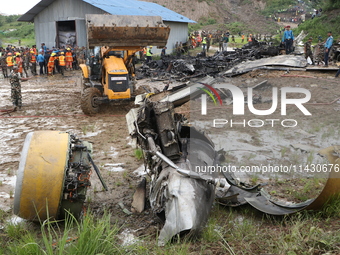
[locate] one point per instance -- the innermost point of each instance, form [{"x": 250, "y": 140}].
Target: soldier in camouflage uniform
[
  {"x": 3, "y": 65},
  {"x": 319, "y": 53},
  {"x": 81, "y": 55},
  {"x": 26, "y": 61},
  {"x": 14, "y": 79},
  {"x": 308, "y": 49}
]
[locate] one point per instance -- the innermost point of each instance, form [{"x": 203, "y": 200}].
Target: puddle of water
[
  {"x": 113, "y": 151},
  {"x": 90, "y": 134},
  {"x": 8, "y": 180},
  {"x": 4, "y": 195},
  {"x": 114, "y": 167}
]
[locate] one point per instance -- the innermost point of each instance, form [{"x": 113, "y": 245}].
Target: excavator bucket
[{"x": 125, "y": 31}]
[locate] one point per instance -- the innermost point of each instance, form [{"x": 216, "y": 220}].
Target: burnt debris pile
[{"x": 186, "y": 66}]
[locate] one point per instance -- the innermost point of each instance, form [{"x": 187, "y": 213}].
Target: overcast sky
[{"x": 17, "y": 6}]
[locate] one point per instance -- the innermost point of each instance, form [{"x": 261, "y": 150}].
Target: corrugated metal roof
[
  {"x": 133, "y": 7},
  {"x": 118, "y": 7}
]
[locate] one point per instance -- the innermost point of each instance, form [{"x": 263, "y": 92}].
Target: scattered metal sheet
[
  {"x": 322, "y": 68},
  {"x": 262, "y": 201},
  {"x": 277, "y": 61}
]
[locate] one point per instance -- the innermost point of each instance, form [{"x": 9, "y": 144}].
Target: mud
[{"x": 53, "y": 103}]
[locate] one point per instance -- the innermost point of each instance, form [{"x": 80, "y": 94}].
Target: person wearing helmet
[
  {"x": 50, "y": 64},
  {"x": 19, "y": 62},
  {"x": 14, "y": 79},
  {"x": 68, "y": 59},
  {"x": 10, "y": 62},
  {"x": 62, "y": 62},
  {"x": 34, "y": 49},
  {"x": 149, "y": 54},
  {"x": 33, "y": 62}
]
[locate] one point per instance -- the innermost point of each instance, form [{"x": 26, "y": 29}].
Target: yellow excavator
[{"x": 109, "y": 76}]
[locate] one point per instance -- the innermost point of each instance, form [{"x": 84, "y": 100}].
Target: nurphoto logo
[{"x": 239, "y": 102}]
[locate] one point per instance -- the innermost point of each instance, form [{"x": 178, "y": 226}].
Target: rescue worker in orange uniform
[
  {"x": 10, "y": 62},
  {"x": 19, "y": 62},
  {"x": 68, "y": 59},
  {"x": 33, "y": 62},
  {"x": 62, "y": 62},
  {"x": 50, "y": 64},
  {"x": 34, "y": 49}
]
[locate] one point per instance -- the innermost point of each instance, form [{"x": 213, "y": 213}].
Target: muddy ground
[{"x": 53, "y": 103}]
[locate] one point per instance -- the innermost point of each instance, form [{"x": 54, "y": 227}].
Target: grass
[
  {"x": 89, "y": 236},
  {"x": 320, "y": 26},
  {"x": 138, "y": 153},
  {"x": 299, "y": 189},
  {"x": 229, "y": 231}
]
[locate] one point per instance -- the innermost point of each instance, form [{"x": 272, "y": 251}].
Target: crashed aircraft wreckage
[
  {"x": 171, "y": 147},
  {"x": 228, "y": 63},
  {"x": 180, "y": 194},
  {"x": 282, "y": 62}
]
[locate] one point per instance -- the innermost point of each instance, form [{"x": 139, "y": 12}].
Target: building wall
[
  {"x": 63, "y": 10},
  {"x": 178, "y": 33}
]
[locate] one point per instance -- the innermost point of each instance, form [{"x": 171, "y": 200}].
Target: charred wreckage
[
  {"x": 180, "y": 194},
  {"x": 182, "y": 67},
  {"x": 172, "y": 148}
]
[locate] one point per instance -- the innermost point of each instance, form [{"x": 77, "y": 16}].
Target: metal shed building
[{"x": 60, "y": 22}]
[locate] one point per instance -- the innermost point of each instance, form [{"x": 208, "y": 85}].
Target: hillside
[
  {"x": 254, "y": 16},
  {"x": 11, "y": 31},
  {"x": 244, "y": 12}
]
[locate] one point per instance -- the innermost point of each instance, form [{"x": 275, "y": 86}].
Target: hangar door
[{"x": 66, "y": 33}]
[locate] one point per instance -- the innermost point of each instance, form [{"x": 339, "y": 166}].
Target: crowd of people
[
  {"x": 49, "y": 61},
  {"x": 206, "y": 38},
  {"x": 18, "y": 63}
]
